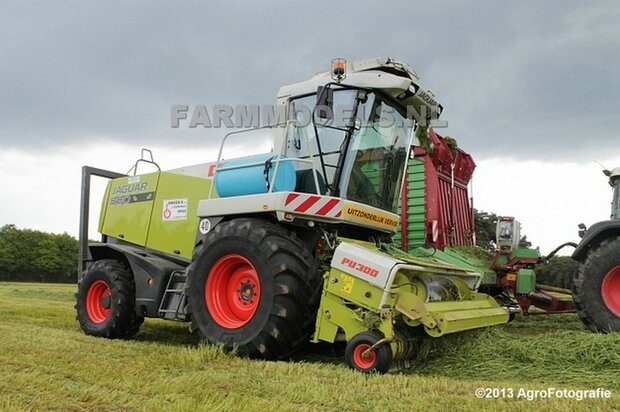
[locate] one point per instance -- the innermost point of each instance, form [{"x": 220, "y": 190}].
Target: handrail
[{"x": 276, "y": 160}]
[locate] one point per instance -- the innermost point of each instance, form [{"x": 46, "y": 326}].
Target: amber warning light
[{"x": 338, "y": 69}]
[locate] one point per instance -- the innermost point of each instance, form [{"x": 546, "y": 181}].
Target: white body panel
[
  {"x": 373, "y": 267},
  {"x": 380, "y": 269},
  {"x": 301, "y": 205}
]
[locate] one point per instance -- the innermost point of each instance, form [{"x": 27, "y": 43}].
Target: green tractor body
[
  {"x": 596, "y": 286},
  {"x": 265, "y": 252}
]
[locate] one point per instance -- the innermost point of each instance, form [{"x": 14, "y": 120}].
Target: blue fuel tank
[{"x": 246, "y": 175}]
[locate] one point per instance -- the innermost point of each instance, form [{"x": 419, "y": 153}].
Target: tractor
[
  {"x": 265, "y": 252},
  {"x": 596, "y": 286}
]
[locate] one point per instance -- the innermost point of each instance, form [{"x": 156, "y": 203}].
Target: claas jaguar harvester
[{"x": 263, "y": 253}]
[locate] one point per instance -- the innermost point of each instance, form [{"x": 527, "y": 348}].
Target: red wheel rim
[
  {"x": 610, "y": 290},
  {"x": 232, "y": 291},
  {"x": 360, "y": 360},
  {"x": 98, "y": 301}
]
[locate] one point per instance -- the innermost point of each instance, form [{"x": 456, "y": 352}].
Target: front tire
[
  {"x": 105, "y": 301},
  {"x": 596, "y": 287},
  {"x": 252, "y": 286}
]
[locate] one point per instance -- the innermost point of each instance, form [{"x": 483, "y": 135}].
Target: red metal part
[
  {"x": 541, "y": 298},
  {"x": 610, "y": 290},
  {"x": 556, "y": 306},
  {"x": 513, "y": 264},
  {"x": 361, "y": 361},
  {"x": 449, "y": 214},
  {"x": 98, "y": 301},
  {"x": 232, "y": 291},
  {"x": 443, "y": 158}
]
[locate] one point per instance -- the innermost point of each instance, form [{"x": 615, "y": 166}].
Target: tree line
[{"x": 33, "y": 256}]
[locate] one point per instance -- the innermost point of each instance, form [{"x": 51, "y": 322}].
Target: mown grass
[{"x": 46, "y": 363}]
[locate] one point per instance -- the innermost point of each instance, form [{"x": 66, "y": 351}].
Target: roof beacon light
[{"x": 339, "y": 67}]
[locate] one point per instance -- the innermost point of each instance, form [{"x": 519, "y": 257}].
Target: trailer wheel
[
  {"x": 377, "y": 361},
  {"x": 596, "y": 287},
  {"x": 252, "y": 285},
  {"x": 105, "y": 301}
]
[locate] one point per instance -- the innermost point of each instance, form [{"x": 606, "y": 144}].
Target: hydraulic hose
[{"x": 557, "y": 249}]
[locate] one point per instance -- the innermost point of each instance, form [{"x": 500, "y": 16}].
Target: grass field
[{"x": 47, "y": 363}]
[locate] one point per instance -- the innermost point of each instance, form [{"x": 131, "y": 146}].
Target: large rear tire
[
  {"x": 596, "y": 287},
  {"x": 252, "y": 285},
  {"x": 105, "y": 301}
]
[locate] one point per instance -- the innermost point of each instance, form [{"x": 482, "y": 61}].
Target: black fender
[
  {"x": 595, "y": 235},
  {"x": 150, "y": 273}
]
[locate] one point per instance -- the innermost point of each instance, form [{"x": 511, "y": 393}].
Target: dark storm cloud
[{"x": 528, "y": 79}]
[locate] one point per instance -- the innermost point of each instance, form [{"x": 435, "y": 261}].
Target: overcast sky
[{"x": 531, "y": 89}]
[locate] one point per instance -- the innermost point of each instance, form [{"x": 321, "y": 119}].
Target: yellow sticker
[
  {"x": 511, "y": 277},
  {"x": 348, "y": 282},
  {"x": 372, "y": 217}
]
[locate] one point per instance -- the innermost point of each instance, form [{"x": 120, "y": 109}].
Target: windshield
[
  {"x": 373, "y": 169},
  {"x": 375, "y": 150}
]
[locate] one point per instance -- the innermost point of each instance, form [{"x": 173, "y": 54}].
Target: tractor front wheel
[
  {"x": 105, "y": 301},
  {"x": 254, "y": 286},
  {"x": 358, "y": 356},
  {"x": 596, "y": 287}
]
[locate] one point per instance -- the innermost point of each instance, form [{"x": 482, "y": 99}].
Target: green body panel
[
  {"x": 177, "y": 236},
  {"x": 337, "y": 313},
  {"x": 416, "y": 212},
  {"x": 526, "y": 281},
  {"x": 526, "y": 253},
  {"x": 104, "y": 208},
  {"x": 455, "y": 258},
  {"x": 615, "y": 201},
  {"x": 460, "y": 315},
  {"x": 466, "y": 259},
  {"x": 351, "y": 305},
  {"x": 355, "y": 290},
  {"x": 134, "y": 210},
  {"x": 128, "y": 208}
]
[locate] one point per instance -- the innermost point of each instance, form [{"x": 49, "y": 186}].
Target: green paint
[
  {"x": 123, "y": 218},
  {"x": 416, "y": 231},
  {"x": 526, "y": 281},
  {"x": 526, "y": 253},
  {"x": 352, "y": 305},
  {"x": 615, "y": 203},
  {"x": 177, "y": 236},
  {"x": 133, "y": 210}
]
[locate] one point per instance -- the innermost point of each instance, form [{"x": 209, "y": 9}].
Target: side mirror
[
  {"x": 325, "y": 103},
  {"x": 582, "y": 230}
]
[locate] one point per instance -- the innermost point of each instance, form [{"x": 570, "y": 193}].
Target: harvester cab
[
  {"x": 265, "y": 252},
  {"x": 508, "y": 233},
  {"x": 340, "y": 155}
]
